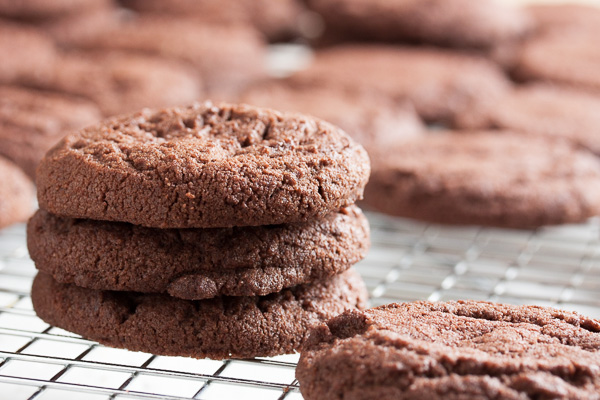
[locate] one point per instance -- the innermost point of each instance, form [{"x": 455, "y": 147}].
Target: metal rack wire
[{"x": 557, "y": 266}]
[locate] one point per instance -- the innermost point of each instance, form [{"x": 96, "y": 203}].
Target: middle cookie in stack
[{"x": 207, "y": 231}]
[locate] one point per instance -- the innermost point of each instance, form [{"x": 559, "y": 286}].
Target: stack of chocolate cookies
[{"x": 206, "y": 231}]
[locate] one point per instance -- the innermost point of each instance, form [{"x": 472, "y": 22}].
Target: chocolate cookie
[
  {"x": 544, "y": 110},
  {"x": 487, "y": 178},
  {"x": 277, "y": 20},
  {"x": 43, "y": 8},
  {"x": 373, "y": 120},
  {"x": 462, "y": 23},
  {"x": 16, "y": 194},
  {"x": 439, "y": 83},
  {"x": 204, "y": 166},
  {"x": 223, "y": 327},
  {"x": 196, "y": 264},
  {"x": 226, "y": 57},
  {"x": 32, "y": 121},
  {"x": 454, "y": 350},
  {"x": 122, "y": 83},
  {"x": 570, "y": 58},
  {"x": 28, "y": 53}
]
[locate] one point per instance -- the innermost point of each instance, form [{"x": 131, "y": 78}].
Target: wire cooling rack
[{"x": 557, "y": 266}]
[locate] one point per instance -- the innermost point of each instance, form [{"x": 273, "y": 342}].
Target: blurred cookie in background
[
  {"x": 31, "y": 122},
  {"x": 278, "y": 20},
  {"x": 64, "y": 21},
  {"x": 372, "y": 119},
  {"x": 33, "y": 9},
  {"x": 561, "y": 18},
  {"x": 69, "y": 29},
  {"x": 27, "y": 53},
  {"x": 571, "y": 58},
  {"x": 16, "y": 194},
  {"x": 440, "y": 84},
  {"x": 227, "y": 57},
  {"x": 120, "y": 83},
  {"x": 545, "y": 110},
  {"x": 492, "y": 178},
  {"x": 457, "y": 23}
]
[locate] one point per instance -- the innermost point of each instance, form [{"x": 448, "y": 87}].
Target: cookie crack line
[
  {"x": 463, "y": 365},
  {"x": 586, "y": 324},
  {"x": 367, "y": 323}
]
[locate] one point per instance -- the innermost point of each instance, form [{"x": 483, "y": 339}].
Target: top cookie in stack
[
  {"x": 200, "y": 203},
  {"x": 204, "y": 166}
]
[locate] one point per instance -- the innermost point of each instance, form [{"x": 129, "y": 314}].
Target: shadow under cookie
[
  {"x": 223, "y": 327},
  {"x": 196, "y": 263}
]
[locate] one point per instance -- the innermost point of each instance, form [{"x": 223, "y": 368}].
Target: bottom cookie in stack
[{"x": 222, "y": 327}]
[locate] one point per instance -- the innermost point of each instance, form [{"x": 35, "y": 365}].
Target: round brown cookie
[
  {"x": 226, "y": 57},
  {"x": 28, "y": 53},
  {"x": 196, "y": 264},
  {"x": 204, "y": 166},
  {"x": 32, "y": 121},
  {"x": 558, "y": 18},
  {"x": 16, "y": 194},
  {"x": 487, "y": 178},
  {"x": 223, "y": 327},
  {"x": 278, "y": 20},
  {"x": 439, "y": 83},
  {"x": 453, "y": 350},
  {"x": 122, "y": 83},
  {"x": 44, "y": 8},
  {"x": 545, "y": 110},
  {"x": 462, "y": 23},
  {"x": 570, "y": 58},
  {"x": 373, "y": 120}
]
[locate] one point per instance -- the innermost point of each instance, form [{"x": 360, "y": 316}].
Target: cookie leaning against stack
[{"x": 215, "y": 219}]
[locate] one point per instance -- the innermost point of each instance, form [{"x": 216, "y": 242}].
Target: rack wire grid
[{"x": 555, "y": 266}]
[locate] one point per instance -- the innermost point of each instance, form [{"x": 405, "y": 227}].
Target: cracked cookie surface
[
  {"x": 453, "y": 350},
  {"x": 196, "y": 263},
  {"x": 204, "y": 166},
  {"x": 223, "y": 327}
]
